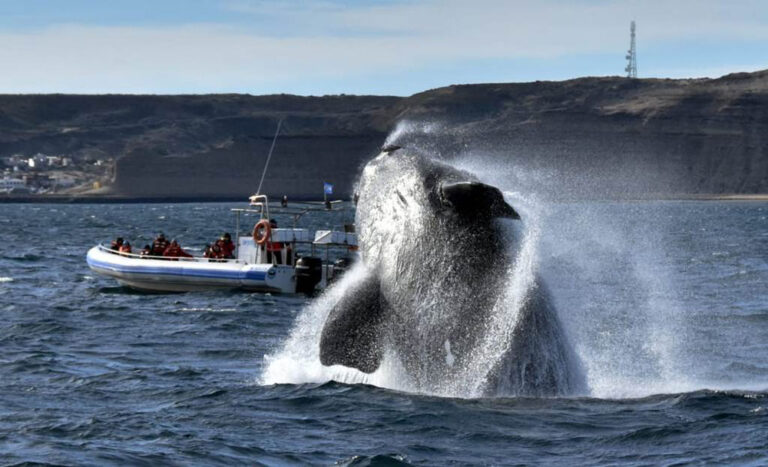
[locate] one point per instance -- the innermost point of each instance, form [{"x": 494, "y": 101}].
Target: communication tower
[{"x": 631, "y": 67}]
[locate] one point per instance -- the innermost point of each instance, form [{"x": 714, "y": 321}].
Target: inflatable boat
[{"x": 258, "y": 266}]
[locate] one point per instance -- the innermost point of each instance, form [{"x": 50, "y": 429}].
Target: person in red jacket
[
  {"x": 227, "y": 246},
  {"x": 159, "y": 245},
  {"x": 174, "y": 250},
  {"x": 274, "y": 249}
]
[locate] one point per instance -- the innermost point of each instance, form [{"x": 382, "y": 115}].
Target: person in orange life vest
[
  {"x": 116, "y": 244},
  {"x": 159, "y": 245},
  {"x": 125, "y": 247},
  {"x": 174, "y": 251},
  {"x": 274, "y": 248}
]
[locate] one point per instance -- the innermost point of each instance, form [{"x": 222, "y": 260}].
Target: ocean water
[{"x": 664, "y": 303}]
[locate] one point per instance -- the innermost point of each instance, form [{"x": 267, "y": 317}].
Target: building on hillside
[{"x": 7, "y": 184}]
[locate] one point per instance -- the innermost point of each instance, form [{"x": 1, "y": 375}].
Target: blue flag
[{"x": 327, "y": 188}]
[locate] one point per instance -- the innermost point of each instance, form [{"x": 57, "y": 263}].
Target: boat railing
[{"x": 194, "y": 259}]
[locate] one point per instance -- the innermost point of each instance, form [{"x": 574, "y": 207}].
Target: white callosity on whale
[{"x": 450, "y": 294}]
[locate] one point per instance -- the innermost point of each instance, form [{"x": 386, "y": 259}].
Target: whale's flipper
[
  {"x": 352, "y": 331},
  {"x": 539, "y": 361}
]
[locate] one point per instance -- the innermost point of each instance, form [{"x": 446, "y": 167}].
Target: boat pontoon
[{"x": 282, "y": 268}]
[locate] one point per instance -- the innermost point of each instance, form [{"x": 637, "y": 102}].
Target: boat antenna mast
[
  {"x": 269, "y": 156},
  {"x": 631, "y": 67}
]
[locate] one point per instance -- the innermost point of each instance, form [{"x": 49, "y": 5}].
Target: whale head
[
  {"x": 403, "y": 195},
  {"x": 430, "y": 235},
  {"x": 437, "y": 245}
]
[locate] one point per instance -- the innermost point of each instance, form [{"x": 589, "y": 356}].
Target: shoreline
[
  {"x": 116, "y": 199},
  {"x": 94, "y": 199}
]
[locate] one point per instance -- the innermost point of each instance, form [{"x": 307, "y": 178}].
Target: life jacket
[
  {"x": 159, "y": 247},
  {"x": 175, "y": 251},
  {"x": 275, "y": 246},
  {"x": 227, "y": 248},
  {"x": 215, "y": 252}
]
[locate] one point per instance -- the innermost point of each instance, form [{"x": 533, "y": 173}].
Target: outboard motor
[{"x": 309, "y": 273}]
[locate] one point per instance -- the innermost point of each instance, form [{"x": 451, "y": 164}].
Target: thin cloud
[{"x": 278, "y": 45}]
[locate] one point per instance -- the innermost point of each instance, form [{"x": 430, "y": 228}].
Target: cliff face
[
  {"x": 609, "y": 136},
  {"x": 589, "y": 136},
  {"x": 209, "y": 145}
]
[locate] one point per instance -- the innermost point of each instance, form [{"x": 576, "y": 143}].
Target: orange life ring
[{"x": 261, "y": 232}]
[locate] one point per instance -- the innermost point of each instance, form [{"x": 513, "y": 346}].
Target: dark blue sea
[{"x": 665, "y": 304}]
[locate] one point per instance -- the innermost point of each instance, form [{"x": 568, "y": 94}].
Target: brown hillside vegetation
[{"x": 589, "y": 136}]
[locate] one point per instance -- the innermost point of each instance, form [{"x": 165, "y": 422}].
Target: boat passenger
[
  {"x": 274, "y": 248},
  {"x": 227, "y": 246},
  {"x": 146, "y": 251},
  {"x": 116, "y": 244},
  {"x": 159, "y": 245},
  {"x": 217, "y": 253},
  {"x": 284, "y": 201},
  {"x": 125, "y": 247},
  {"x": 213, "y": 253},
  {"x": 174, "y": 250}
]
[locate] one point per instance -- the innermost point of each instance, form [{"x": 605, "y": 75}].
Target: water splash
[
  {"x": 298, "y": 360},
  {"x": 614, "y": 291},
  {"x": 498, "y": 337},
  {"x": 457, "y": 315},
  {"x": 412, "y": 132}
]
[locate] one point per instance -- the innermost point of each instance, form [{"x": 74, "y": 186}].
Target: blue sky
[{"x": 363, "y": 47}]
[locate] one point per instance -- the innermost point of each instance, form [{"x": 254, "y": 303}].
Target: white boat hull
[{"x": 190, "y": 274}]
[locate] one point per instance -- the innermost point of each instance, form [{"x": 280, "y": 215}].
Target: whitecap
[{"x": 208, "y": 309}]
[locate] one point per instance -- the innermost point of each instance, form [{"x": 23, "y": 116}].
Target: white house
[{"x": 7, "y": 184}]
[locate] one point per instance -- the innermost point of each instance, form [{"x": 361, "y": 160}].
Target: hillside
[{"x": 588, "y": 137}]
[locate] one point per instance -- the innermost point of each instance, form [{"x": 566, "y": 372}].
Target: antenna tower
[{"x": 631, "y": 67}]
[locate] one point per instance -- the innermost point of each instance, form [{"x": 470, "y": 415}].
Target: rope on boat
[{"x": 269, "y": 156}]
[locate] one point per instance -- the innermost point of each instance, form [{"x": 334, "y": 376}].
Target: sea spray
[
  {"x": 614, "y": 290},
  {"x": 464, "y": 313},
  {"x": 297, "y": 361},
  {"x": 499, "y": 329}
]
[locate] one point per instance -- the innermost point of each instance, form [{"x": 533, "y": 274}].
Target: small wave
[
  {"x": 379, "y": 459},
  {"x": 182, "y": 372},
  {"x": 752, "y": 316},
  {"x": 6, "y": 279},
  {"x": 120, "y": 290},
  {"x": 23, "y": 258},
  {"x": 208, "y": 309}
]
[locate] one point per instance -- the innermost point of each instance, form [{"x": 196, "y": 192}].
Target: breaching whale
[{"x": 437, "y": 257}]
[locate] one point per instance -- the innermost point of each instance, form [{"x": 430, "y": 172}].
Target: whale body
[{"x": 436, "y": 252}]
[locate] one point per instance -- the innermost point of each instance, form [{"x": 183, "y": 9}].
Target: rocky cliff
[{"x": 599, "y": 137}]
